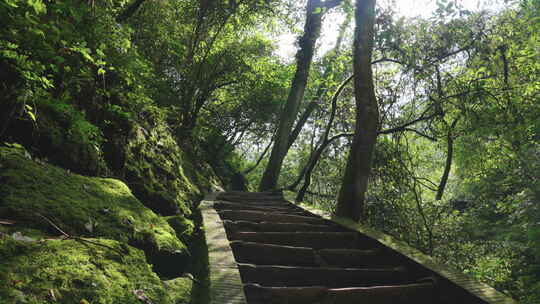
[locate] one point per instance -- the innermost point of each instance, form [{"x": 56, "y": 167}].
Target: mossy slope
[
  {"x": 70, "y": 271},
  {"x": 38, "y": 196},
  {"x": 136, "y": 146},
  {"x": 79, "y": 205}
]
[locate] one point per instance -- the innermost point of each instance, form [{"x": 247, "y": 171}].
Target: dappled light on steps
[{"x": 286, "y": 254}]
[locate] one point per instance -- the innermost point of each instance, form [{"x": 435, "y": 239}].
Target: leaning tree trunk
[
  {"x": 312, "y": 30},
  {"x": 321, "y": 90},
  {"x": 282, "y": 141},
  {"x": 355, "y": 181}
]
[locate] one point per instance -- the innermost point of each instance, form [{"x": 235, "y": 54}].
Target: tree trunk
[
  {"x": 312, "y": 30},
  {"x": 355, "y": 181},
  {"x": 329, "y": 67},
  {"x": 448, "y": 165},
  {"x": 311, "y": 107}
]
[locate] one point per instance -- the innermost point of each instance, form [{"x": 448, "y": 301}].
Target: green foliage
[
  {"x": 98, "y": 96},
  {"x": 479, "y": 70},
  {"x": 103, "y": 97},
  {"x": 57, "y": 60}
]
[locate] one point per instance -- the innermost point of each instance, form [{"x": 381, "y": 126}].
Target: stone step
[
  {"x": 246, "y": 226},
  {"x": 293, "y": 276},
  {"x": 276, "y": 212},
  {"x": 267, "y": 254},
  {"x": 259, "y": 216},
  {"x": 240, "y": 206},
  {"x": 251, "y": 194},
  {"x": 249, "y": 197},
  {"x": 316, "y": 240},
  {"x": 343, "y": 257},
  {"x": 417, "y": 293},
  {"x": 258, "y": 202}
]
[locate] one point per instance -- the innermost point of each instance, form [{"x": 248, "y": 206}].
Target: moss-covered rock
[
  {"x": 154, "y": 157},
  {"x": 184, "y": 228},
  {"x": 62, "y": 135},
  {"x": 180, "y": 289},
  {"x": 82, "y": 206},
  {"x": 158, "y": 171},
  {"x": 136, "y": 146},
  {"x": 70, "y": 271}
]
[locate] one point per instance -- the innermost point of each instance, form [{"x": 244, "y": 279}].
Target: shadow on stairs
[{"x": 286, "y": 254}]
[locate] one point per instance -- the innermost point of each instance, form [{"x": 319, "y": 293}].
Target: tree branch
[
  {"x": 405, "y": 125},
  {"x": 421, "y": 134},
  {"x": 247, "y": 171}
]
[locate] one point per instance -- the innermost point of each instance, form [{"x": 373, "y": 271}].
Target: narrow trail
[{"x": 286, "y": 254}]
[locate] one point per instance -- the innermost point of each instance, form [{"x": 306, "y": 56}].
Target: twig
[
  {"x": 98, "y": 244},
  {"x": 54, "y": 225},
  {"x": 68, "y": 236}
]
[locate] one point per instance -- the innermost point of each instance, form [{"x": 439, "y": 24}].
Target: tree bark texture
[
  {"x": 351, "y": 200},
  {"x": 304, "y": 56},
  {"x": 314, "y": 103}
]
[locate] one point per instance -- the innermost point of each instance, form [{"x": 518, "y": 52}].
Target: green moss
[
  {"x": 74, "y": 272},
  {"x": 184, "y": 228},
  {"x": 79, "y": 205},
  {"x": 64, "y": 136},
  {"x": 155, "y": 169},
  {"x": 180, "y": 290}
]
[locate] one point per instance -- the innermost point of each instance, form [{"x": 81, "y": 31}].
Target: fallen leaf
[
  {"x": 20, "y": 237},
  {"x": 51, "y": 294},
  {"x": 190, "y": 276},
  {"x": 90, "y": 225},
  {"x": 141, "y": 296}
]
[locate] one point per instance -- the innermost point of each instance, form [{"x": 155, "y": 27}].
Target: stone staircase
[{"x": 286, "y": 254}]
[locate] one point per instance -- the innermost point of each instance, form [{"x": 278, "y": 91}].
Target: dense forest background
[{"x": 172, "y": 97}]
